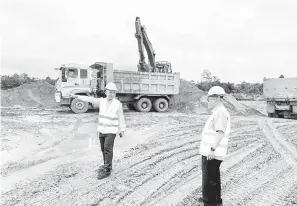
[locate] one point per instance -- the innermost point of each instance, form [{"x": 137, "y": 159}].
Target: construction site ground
[{"x": 50, "y": 157}]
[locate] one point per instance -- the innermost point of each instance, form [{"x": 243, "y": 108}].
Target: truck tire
[
  {"x": 161, "y": 105},
  {"x": 78, "y": 106},
  {"x": 144, "y": 105}
]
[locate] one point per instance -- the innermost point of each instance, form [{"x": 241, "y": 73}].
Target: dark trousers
[
  {"x": 211, "y": 181},
  {"x": 106, "y": 143}
]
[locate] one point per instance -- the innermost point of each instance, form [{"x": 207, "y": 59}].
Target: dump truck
[
  {"x": 281, "y": 96},
  {"x": 141, "y": 91}
]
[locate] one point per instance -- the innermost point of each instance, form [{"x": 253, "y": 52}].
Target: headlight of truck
[{"x": 58, "y": 97}]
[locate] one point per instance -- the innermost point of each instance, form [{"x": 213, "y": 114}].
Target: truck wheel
[
  {"x": 161, "y": 105},
  {"x": 144, "y": 105},
  {"x": 78, "y": 106}
]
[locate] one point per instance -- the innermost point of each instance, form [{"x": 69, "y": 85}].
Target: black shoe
[
  {"x": 100, "y": 168},
  {"x": 103, "y": 174}
]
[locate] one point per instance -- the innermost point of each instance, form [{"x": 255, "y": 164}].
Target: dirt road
[{"x": 50, "y": 158}]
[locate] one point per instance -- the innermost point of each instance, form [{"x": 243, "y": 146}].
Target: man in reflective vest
[
  {"x": 110, "y": 122},
  {"x": 213, "y": 146}
]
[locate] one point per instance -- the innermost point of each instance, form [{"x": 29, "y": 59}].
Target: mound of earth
[
  {"x": 29, "y": 95},
  {"x": 188, "y": 99},
  {"x": 193, "y": 100}
]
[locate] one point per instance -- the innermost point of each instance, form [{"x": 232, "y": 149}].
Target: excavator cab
[{"x": 163, "y": 67}]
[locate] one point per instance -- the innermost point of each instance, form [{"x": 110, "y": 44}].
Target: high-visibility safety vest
[
  {"x": 108, "y": 121},
  {"x": 210, "y": 136}
]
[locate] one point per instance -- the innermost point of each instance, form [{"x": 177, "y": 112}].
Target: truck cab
[{"x": 81, "y": 80}]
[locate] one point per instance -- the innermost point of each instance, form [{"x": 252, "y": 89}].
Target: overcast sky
[{"x": 236, "y": 40}]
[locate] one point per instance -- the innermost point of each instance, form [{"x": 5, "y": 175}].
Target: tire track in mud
[
  {"x": 138, "y": 177},
  {"x": 50, "y": 183},
  {"x": 157, "y": 185},
  {"x": 259, "y": 180},
  {"x": 157, "y": 154},
  {"x": 237, "y": 191},
  {"x": 288, "y": 131},
  {"x": 148, "y": 189},
  {"x": 288, "y": 151},
  {"x": 43, "y": 185},
  {"x": 168, "y": 176},
  {"x": 290, "y": 199},
  {"x": 169, "y": 186},
  {"x": 242, "y": 130},
  {"x": 246, "y": 165},
  {"x": 173, "y": 188},
  {"x": 231, "y": 171},
  {"x": 270, "y": 174},
  {"x": 175, "y": 131},
  {"x": 275, "y": 191},
  {"x": 166, "y": 147},
  {"x": 23, "y": 193},
  {"x": 55, "y": 143},
  {"x": 146, "y": 200},
  {"x": 136, "y": 163},
  {"x": 157, "y": 157},
  {"x": 25, "y": 165},
  {"x": 189, "y": 191}
]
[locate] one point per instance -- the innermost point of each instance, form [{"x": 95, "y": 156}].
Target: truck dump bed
[
  {"x": 282, "y": 88},
  {"x": 131, "y": 82}
]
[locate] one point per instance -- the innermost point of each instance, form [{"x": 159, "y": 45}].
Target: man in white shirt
[
  {"x": 110, "y": 122},
  {"x": 213, "y": 146}
]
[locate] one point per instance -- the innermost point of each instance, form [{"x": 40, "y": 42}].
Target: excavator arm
[
  {"x": 143, "y": 41},
  {"x": 142, "y": 66},
  {"x": 149, "y": 49}
]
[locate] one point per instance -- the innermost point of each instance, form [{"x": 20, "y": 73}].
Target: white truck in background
[{"x": 281, "y": 96}]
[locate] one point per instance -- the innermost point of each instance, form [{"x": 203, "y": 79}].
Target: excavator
[{"x": 144, "y": 42}]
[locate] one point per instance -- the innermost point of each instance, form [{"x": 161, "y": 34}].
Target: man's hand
[
  {"x": 122, "y": 134},
  {"x": 210, "y": 155}
]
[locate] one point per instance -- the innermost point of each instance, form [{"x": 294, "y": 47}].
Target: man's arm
[
  {"x": 121, "y": 119},
  {"x": 93, "y": 100}
]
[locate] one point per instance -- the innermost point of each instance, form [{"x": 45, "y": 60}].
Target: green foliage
[
  {"x": 50, "y": 81},
  {"x": 208, "y": 81},
  {"x": 15, "y": 80}
]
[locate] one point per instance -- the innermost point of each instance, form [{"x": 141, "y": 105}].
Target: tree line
[
  {"x": 15, "y": 80},
  {"x": 208, "y": 80}
]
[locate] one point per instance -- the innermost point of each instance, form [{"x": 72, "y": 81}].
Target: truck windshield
[{"x": 69, "y": 73}]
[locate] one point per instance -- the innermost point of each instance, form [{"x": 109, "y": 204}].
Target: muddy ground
[{"x": 50, "y": 157}]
